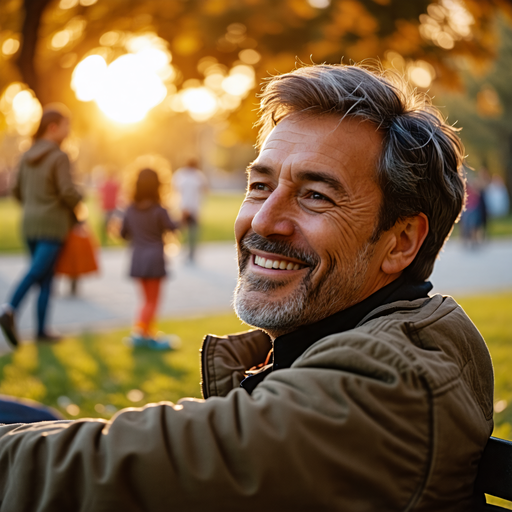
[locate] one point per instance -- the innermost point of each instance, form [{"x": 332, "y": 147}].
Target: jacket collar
[{"x": 287, "y": 348}]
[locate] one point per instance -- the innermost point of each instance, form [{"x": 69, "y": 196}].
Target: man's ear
[{"x": 407, "y": 236}]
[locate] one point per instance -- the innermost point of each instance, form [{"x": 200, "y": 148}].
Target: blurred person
[
  {"x": 144, "y": 224},
  {"x": 44, "y": 186},
  {"x": 191, "y": 185},
  {"x": 473, "y": 220},
  {"x": 358, "y": 390},
  {"x": 496, "y": 197},
  {"x": 109, "y": 194}
]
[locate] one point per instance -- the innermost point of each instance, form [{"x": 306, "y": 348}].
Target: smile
[{"x": 276, "y": 263}]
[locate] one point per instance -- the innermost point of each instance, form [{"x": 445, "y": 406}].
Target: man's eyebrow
[
  {"x": 260, "y": 169},
  {"x": 323, "y": 177}
]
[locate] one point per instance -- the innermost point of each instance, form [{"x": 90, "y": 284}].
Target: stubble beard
[{"x": 338, "y": 289}]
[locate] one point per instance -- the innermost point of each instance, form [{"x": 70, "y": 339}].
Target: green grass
[
  {"x": 217, "y": 220},
  {"x": 10, "y": 215},
  {"x": 96, "y": 372},
  {"x": 218, "y": 216},
  {"x": 500, "y": 228},
  {"x": 492, "y": 315}
]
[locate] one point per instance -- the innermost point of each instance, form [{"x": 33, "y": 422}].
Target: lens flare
[
  {"x": 88, "y": 77},
  {"x": 200, "y": 102},
  {"x": 125, "y": 90},
  {"x": 130, "y": 90}
]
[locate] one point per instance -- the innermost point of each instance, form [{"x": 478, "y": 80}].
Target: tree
[
  {"x": 271, "y": 35},
  {"x": 484, "y": 110},
  {"x": 280, "y": 30}
]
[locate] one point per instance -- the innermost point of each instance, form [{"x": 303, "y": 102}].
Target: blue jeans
[
  {"x": 44, "y": 255},
  {"x": 15, "y": 410}
]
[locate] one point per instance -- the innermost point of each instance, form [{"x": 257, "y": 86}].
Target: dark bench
[{"x": 495, "y": 473}]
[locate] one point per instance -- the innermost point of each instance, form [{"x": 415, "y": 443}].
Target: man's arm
[{"x": 307, "y": 439}]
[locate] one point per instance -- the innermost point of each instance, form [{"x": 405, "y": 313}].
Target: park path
[{"x": 109, "y": 299}]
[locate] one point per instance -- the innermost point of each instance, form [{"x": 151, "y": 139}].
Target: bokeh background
[
  {"x": 181, "y": 77},
  {"x": 155, "y": 82}
]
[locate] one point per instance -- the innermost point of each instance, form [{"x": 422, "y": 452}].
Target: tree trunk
[{"x": 30, "y": 31}]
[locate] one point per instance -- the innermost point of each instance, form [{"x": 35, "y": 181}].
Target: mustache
[{"x": 254, "y": 241}]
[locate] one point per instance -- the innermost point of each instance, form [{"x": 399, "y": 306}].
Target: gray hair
[{"x": 421, "y": 166}]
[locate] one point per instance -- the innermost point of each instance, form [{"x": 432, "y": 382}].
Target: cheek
[
  {"x": 244, "y": 219},
  {"x": 333, "y": 234}
]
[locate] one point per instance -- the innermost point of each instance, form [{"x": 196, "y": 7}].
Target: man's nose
[{"x": 275, "y": 215}]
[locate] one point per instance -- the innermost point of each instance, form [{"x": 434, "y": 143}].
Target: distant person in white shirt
[
  {"x": 496, "y": 197},
  {"x": 191, "y": 185}
]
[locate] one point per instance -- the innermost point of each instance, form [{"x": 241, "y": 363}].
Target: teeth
[{"x": 277, "y": 264}]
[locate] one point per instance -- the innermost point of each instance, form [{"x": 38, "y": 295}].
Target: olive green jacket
[
  {"x": 390, "y": 416},
  {"x": 45, "y": 188}
]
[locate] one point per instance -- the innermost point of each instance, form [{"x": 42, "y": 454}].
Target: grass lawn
[
  {"x": 95, "y": 373},
  {"x": 217, "y": 220}
]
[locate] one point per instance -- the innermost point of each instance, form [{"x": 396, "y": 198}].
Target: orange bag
[{"x": 78, "y": 255}]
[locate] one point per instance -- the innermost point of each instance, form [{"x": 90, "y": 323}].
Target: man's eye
[
  {"x": 259, "y": 187},
  {"x": 319, "y": 197}
]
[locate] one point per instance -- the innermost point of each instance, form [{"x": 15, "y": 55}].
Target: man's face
[{"x": 304, "y": 227}]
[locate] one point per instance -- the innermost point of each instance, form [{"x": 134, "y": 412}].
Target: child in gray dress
[{"x": 144, "y": 224}]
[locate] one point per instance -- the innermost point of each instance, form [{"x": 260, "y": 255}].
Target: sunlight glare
[
  {"x": 130, "y": 89},
  {"x": 10, "y": 46},
  {"x": 154, "y": 58},
  {"x": 240, "y": 80},
  {"x": 88, "y": 77},
  {"x": 200, "y": 102},
  {"x": 60, "y": 39},
  {"x": 130, "y": 86},
  {"x": 67, "y": 4}
]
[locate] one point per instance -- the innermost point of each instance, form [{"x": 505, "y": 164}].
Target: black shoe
[
  {"x": 46, "y": 337},
  {"x": 7, "y": 325}
]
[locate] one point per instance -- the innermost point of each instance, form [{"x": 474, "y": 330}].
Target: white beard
[{"x": 308, "y": 303}]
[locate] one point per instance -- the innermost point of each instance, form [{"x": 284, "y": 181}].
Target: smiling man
[
  {"x": 305, "y": 229},
  {"x": 358, "y": 391}
]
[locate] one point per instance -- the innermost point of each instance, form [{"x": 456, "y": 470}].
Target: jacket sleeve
[
  {"x": 309, "y": 438},
  {"x": 68, "y": 192}
]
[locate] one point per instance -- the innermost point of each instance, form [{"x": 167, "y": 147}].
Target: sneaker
[
  {"x": 158, "y": 345},
  {"x": 135, "y": 340},
  {"x": 172, "y": 340},
  {"x": 8, "y": 328},
  {"x": 160, "y": 342},
  {"x": 46, "y": 337}
]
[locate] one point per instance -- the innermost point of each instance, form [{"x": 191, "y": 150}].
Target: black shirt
[{"x": 288, "y": 347}]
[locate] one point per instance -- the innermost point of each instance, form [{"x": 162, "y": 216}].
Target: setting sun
[{"x": 128, "y": 88}]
